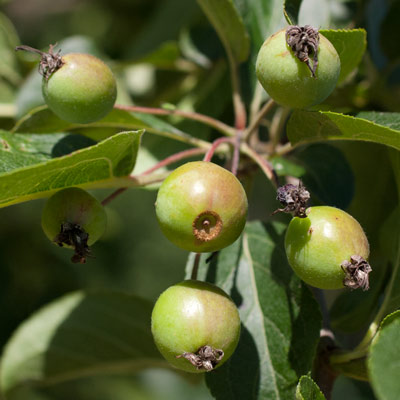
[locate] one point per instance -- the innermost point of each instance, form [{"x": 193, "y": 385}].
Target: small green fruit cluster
[
  {"x": 288, "y": 80},
  {"x": 201, "y": 207},
  {"x": 195, "y": 325},
  {"x": 82, "y": 90},
  {"x": 75, "y": 219},
  {"x": 319, "y": 244}
]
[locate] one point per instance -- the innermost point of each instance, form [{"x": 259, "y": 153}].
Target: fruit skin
[
  {"x": 76, "y": 206},
  {"x": 318, "y": 244},
  {"x": 192, "y": 314},
  {"x": 192, "y": 189},
  {"x": 288, "y": 80},
  {"x": 83, "y": 90}
]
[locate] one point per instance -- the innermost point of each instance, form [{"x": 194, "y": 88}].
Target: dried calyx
[
  {"x": 49, "y": 63},
  {"x": 294, "y": 199},
  {"x": 356, "y": 273},
  {"x": 304, "y": 42},
  {"x": 205, "y": 358},
  {"x": 74, "y": 235},
  {"x": 207, "y": 226}
]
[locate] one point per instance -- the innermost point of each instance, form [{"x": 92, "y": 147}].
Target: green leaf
[
  {"x": 226, "y": 20},
  {"x": 311, "y": 126},
  {"x": 291, "y": 10},
  {"x": 29, "y": 171},
  {"x": 307, "y": 389},
  {"x": 280, "y": 318},
  {"x": 80, "y": 334},
  {"x": 8, "y": 40},
  {"x": 42, "y": 120},
  {"x": 383, "y": 361},
  {"x": 350, "y": 45}
]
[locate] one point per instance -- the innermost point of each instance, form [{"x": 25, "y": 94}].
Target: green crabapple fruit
[
  {"x": 285, "y": 73},
  {"x": 201, "y": 207},
  {"x": 328, "y": 249},
  {"x": 195, "y": 325},
  {"x": 82, "y": 90},
  {"x": 75, "y": 219}
]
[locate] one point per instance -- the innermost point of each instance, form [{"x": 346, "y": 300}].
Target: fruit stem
[
  {"x": 205, "y": 119},
  {"x": 264, "y": 164},
  {"x": 195, "y": 269},
  {"x": 236, "y": 152},
  {"x": 174, "y": 158},
  {"x": 113, "y": 195},
  {"x": 258, "y": 118},
  {"x": 208, "y": 156},
  {"x": 238, "y": 105}
]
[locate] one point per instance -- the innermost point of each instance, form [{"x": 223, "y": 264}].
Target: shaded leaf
[
  {"x": 80, "y": 334},
  {"x": 284, "y": 166},
  {"x": 307, "y": 389},
  {"x": 226, "y": 20},
  {"x": 327, "y": 174},
  {"x": 291, "y": 10},
  {"x": 350, "y": 45},
  {"x": 280, "y": 318},
  {"x": 309, "y": 126},
  {"x": 383, "y": 361},
  {"x": 31, "y": 172}
]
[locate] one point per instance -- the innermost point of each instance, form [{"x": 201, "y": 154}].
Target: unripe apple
[
  {"x": 193, "y": 315},
  {"x": 288, "y": 80},
  {"x": 201, "y": 207},
  {"x": 82, "y": 90},
  {"x": 74, "y": 219},
  {"x": 317, "y": 246}
]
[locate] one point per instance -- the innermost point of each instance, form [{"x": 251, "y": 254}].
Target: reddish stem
[
  {"x": 205, "y": 119},
  {"x": 214, "y": 146},
  {"x": 169, "y": 160},
  {"x": 174, "y": 158},
  {"x": 113, "y": 195},
  {"x": 236, "y": 152}
]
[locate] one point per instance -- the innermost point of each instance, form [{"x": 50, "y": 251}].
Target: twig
[
  {"x": 205, "y": 119},
  {"x": 174, "y": 158},
  {"x": 265, "y": 166},
  {"x": 214, "y": 146},
  {"x": 169, "y": 160},
  {"x": 113, "y": 195}
]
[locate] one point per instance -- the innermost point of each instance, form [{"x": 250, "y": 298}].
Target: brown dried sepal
[
  {"x": 205, "y": 358},
  {"x": 74, "y": 235},
  {"x": 49, "y": 63},
  {"x": 356, "y": 273},
  {"x": 294, "y": 199},
  {"x": 207, "y": 226},
  {"x": 304, "y": 42}
]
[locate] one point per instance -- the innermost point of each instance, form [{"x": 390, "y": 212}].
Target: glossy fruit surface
[
  {"x": 288, "y": 80},
  {"x": 83, "y": 90},
  {"x": 192, "y": 314},
  {"x": 317, "y": 245},
  {"x": 74, "y": 206},
  {"x": 201, "y": 207}
]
